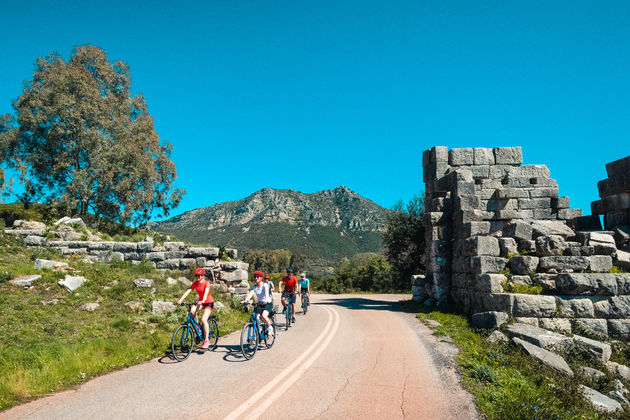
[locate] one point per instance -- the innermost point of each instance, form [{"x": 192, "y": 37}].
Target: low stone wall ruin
[
  {"x": 228, "y": 276},
  {"x": 493, "y": 224}
]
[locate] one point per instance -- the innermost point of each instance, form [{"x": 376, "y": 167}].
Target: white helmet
[{"x": 302, "y": 274}]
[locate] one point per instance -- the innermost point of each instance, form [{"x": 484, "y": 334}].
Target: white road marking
[{"x": 302, "y": 365}]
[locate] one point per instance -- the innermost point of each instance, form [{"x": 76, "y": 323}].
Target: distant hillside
[{"x": 325, "y": 226}]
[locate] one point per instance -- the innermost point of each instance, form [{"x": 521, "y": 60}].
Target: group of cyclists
[{"x": 263, "y": 289}]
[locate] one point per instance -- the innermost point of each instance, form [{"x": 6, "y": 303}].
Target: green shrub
[
  {"x": 483, "y": 374},
  {"x": 5, "y": 276}
]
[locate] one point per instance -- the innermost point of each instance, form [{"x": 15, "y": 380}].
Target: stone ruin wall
[
  {"x": 493, "y": 223},
  {"x": 228, "y": 276}
]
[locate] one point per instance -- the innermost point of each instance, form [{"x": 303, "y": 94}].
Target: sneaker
[
  {"x": 206, "y": 344},
  {"x": 293, "y": 319},
  {"x": 270, "y": 331}
]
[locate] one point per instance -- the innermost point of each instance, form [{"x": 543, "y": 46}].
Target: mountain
[{"x": 325, "y": 226}]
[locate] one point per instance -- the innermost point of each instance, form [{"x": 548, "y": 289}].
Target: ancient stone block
[
  {"x": 518, "y": 230},
  {"x": 155, "y": 256},
  {"x": 489, "y": 283},
  {"x": 474, "y": 229},
  {"x": 523, "y": 264},
  {"x": 560, "y": 202},
  {"x": 483, "y": 156},
  {"x": 462, "y": 264},
  {"x": 614, "y": 307},
  {"x": 600, "y": 263},
  {"x": 480, "y": 245},
  {"x": 507, "y": 246},
  {"x": 507, "y": 193},
  {"x": 485, "y": 264},
  {"x": 569, "y": 213},
  {"x": 619, "y": 329},
  {"x": 551, "y": 191},
  {"x": 533, "y": 306},
  {"x": 546, "y": 357},
  {"x": 508, "y": 155},
  {"x": 552, "y": 245},
  {"x": 540, "y": 337},
  {"x": 534, "y": 203},
  {"x": 461, "y": 156},
  {"x": 489, "y": 320},
  {"x": 521, "y": 280},
  {"x": 574, "y": 307},
  {"x": 555, "y": 324},
  {"x": 125, "y": 246},
  {"x": 588, "y": 284},
  {"x": 547, "y": 281},
  {"x": 596, "y": 327}
]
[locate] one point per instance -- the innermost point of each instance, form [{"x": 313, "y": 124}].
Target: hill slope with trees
[{"x": 321, "y": 227}]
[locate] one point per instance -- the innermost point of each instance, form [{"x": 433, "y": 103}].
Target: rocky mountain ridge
[{"x": 325, "y": 225}]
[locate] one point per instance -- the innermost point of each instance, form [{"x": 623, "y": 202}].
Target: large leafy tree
[
  {"x": 403, "y": 239},
  {"x": 80, "y": 140}
]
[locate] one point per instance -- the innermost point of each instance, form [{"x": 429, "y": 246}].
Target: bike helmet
[
  {"x": 302, "y": 274},
  {"x": 267, "y": 277},
  {"x": 289, "y": 270},
  {"x": 200, "y": 272},
  {"x": 259, "y": 273}
]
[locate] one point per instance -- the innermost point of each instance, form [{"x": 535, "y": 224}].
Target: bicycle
[
  {"x": 305, "y": 302},
  {"x": 190, "y": 333},
  {"x": 255, "y": 331}
]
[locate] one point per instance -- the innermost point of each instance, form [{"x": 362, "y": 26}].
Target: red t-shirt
[
  {"x": 290, "y": 283},
  {"x": 200, "y": 287}
]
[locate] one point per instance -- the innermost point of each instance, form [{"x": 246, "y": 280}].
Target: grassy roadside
[
  {"x": 507, "y": 384},
  {"x": 47, "y": 346}
]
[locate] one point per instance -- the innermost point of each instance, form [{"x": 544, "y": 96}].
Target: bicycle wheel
[
  {"x": 287, "y": 316},
  {"x": 304, "y": 304},
  {"x": 269, "y": 340},
  {"x": 249, "y": 341},
  {"x": 213, "y": 334},
  {"x": 182, "y": 342}
]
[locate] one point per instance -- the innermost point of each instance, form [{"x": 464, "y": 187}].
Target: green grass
[
  {"x": 46, "y": 348},
  {"x": 507, "y": 384}
]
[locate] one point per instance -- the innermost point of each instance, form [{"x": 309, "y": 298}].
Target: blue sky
[{"x": 310, "y": 95}]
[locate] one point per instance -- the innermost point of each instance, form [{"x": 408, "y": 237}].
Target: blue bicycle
[
  {"x": 190, "y": 334},
  {"x": 254, "y": 331}
]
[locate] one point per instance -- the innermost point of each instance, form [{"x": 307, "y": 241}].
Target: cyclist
[
  {"x": 290, "y": 287},
  {"x": 305, "y": 287},
  {"x": 206, "y": 302},
  {"x": 264, "y": 305},
  {"x": 269, "y": 283}
]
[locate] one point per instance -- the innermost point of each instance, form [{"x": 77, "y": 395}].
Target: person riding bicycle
[
  {"x": 305, "y": 286},
  {"x": 268, "y": 282},
  {"x": 264, "y": 305},
  {"x": 202, "y": 286},
  {"x": 290, "y": 283}
]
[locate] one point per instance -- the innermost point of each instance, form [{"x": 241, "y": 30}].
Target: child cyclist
[
  {"x": 202, "y": 286},
  {"x": 264, "y": 305}
]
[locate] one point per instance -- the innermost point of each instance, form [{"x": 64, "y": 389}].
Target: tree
[
  {"x": 403, "y": 239},
  {"x": 80, "y": 140}
]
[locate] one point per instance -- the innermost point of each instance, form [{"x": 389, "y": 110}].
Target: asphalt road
[{"x": 350, "y": 356}]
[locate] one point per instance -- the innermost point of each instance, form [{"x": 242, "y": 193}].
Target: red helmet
[
  {"x": 267, "y": 277},
  {"x": 200, "y": 272},
  {"x": 259, "y": 273}
]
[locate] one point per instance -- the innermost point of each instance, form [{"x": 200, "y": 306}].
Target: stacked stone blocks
[
  {"x": 492, "y": 223},
  {"x": 229, "y": 276}
]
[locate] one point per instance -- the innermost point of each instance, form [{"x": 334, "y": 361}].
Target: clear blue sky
[{"x": 309, "y": 95}]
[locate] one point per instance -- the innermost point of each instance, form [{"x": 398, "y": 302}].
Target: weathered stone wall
[
  {"x": 493, "y": 224},
  {"x": 614, "y": 193},
  {"x": 229, "y": 276}
]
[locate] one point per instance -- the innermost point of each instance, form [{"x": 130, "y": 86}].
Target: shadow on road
[{"x": 365, "y": 303}]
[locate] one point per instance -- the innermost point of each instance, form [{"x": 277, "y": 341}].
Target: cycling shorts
[
  {"x": 264, "y": 307},
  {"x": 290, "y": 296},
  {"x": 207, "y": 305}
]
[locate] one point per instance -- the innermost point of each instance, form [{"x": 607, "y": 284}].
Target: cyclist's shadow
[{"x": 232, "y": 353}]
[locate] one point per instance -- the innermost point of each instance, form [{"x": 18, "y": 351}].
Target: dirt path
[{"x": 351, "y": 356}]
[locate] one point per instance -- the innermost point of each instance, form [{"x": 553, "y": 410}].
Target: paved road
[{"x": 351, "y": 356}]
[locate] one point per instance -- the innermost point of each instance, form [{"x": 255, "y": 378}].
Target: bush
[{"x": 5, "y": 276}]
